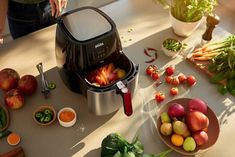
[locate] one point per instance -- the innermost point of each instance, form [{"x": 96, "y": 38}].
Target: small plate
[{"x": 213, "y": 129}]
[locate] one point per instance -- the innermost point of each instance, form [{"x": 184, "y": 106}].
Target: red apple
[
  {"x": 176, "y": 110},
  {"x": 196, "y": 120},
  {"x": 198, "y": 105},
  {"x": 27, "y": 84},
  {"x": 8, "y": 79},
  {"x": 14, "y": 99},
  {"x": 200, "y": 137}
]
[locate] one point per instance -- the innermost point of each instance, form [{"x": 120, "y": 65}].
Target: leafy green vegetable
[
  {"x": 114, "y": 145},
  {"x": 189, "y": 10},
  {"x": 217, "y": 77},
  {"x": 223, "y": 65},
  {"x": 222, "y": 89}
]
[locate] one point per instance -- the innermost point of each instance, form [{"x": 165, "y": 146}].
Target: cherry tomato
[
  {"x": 175, "y": 81},
  {"x": 170, "y": 70},
  {"x": 168, "y": 79},
  {"x": 150, "y": 69},
  {"x": 182, "y": 78},
  {"x": 174, "y": 91},
  {"x": 159, "y": 97},
  {"x": 191, "y": 80},
  {"x": 155, "y": 75}
]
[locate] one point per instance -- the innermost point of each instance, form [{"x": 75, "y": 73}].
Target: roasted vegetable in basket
[{"x": 114, "y": 145}]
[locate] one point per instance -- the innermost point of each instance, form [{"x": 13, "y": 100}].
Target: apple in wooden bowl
[{"x": 190, "y": 132}]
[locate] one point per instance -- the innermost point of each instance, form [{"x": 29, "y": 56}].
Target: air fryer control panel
[
  {"x": 101, "y": 48},
  {"x": 100, "y": 51}
]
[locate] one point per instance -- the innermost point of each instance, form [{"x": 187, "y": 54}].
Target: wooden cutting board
[{"x": 200, "y": 65}]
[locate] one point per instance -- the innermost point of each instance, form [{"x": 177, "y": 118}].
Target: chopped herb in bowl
[{"x": 172, "y": 46}]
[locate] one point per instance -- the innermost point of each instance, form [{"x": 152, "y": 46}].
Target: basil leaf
[
  {"x": 222, "y": 89},
  {"x": 231, "y": 85},
  {"x": 217, "y": 78},
  {"x": 233, "y": 92}
]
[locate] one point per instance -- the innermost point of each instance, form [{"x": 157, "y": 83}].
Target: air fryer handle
[{"x": 126, "y": 97}]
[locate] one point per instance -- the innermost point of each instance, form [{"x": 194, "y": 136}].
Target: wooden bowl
[
  {"x": 6, "y": 116},
  {"x": 42, "y": 109},
  {"x": 213, "y": 129}
]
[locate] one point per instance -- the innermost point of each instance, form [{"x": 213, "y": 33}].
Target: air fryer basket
[{"x": 119, "y": 60}]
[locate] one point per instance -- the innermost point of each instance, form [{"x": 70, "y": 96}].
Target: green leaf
[
  {"x": 217, "y": 78},
  {"x": 162, "y": 154},
  {"x": 231, "y": 74},
  {"x": 233, "y": 92},
  {"x": 112, "y": 144},
  {"x": 231, "y": 85},
  {"x": 222, "y": 89},
  {"x": 137, "y": 146},
  {"x": 118, "y": 154},
  {"x": 129, "y": 154}
]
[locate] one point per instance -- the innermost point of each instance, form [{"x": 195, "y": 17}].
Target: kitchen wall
[{"x": 72, "y": 4}]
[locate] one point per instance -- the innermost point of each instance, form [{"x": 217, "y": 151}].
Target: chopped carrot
[
  {"x": 13, "y": 139},
  {"x": 66, "y": 116}
]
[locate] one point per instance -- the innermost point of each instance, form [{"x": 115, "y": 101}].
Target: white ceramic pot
[{"x": 183, "y": 28}]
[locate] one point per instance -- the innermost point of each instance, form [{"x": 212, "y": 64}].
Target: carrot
[
  {"x": 197, "y": 54},
  {"x": 13, "y": 139},
  {"x": 110, "y": 68},
  {"x": 202, "y": 58},
  {"x": 66, "y": 116},
  {"x": 211, "y": 54}
]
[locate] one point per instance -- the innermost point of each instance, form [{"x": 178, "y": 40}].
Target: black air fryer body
[{"x": 86, "y": 38}]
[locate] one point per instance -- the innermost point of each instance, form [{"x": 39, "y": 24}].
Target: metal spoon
[{"x": 45, "y": 90}]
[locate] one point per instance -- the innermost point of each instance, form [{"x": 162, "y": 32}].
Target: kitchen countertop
[{"x": 150, "y": 25}]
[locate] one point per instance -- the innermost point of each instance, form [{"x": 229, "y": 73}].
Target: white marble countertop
[{"x": 150, "y": 25}]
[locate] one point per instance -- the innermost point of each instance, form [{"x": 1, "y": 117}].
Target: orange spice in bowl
[
  {"x": 13, "y": 139},
  {"x": 67, "y": 117}
]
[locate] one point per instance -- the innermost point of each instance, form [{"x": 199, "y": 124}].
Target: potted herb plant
[{"x": 187, "y": 14}]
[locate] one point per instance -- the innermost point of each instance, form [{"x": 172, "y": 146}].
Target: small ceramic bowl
[
  {"x": 44, "y": 115},
  {"x": 172, "y": 47},
  {"x": 67, "y": 117}
]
